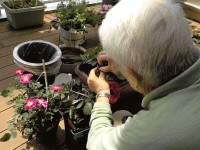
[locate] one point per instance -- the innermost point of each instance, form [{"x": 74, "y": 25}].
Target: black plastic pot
[
  {"x": 47, "y": 133},
  {"x": 76, "y": 137},
  {"x": 68, "y": 65}
]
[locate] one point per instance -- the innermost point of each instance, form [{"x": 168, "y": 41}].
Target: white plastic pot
[
  {"x": 72, "y": 38},
  {"x": 29, "y": 55}
]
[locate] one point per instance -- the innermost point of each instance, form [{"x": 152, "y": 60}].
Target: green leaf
[
  {"x": 93, "y": 63},
  {"x": 14, "y": 134},
  {"x": 6, "y": 92},
  {"x": 80, "y": 104},
  {"x": 56, "y": 96},
  {"x": 27, "y": 131},
  {"x": 49, "y": 113},
  {"x": 10, "y": 121},
  {"x": 25, "y": 115},
  {"x": 62, "y": 96},
  {"x": 87, "y": 109},
  {"x": 10, "y": 102},
  {"x": 11, "y": 127},
  {"x": 71, "y": 112},
  {"x": 55, "y": 110},
  {"x": 5, "y": 137},
  {"x": 72, "y": 97}
]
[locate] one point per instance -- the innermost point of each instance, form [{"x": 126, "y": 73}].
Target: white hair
[{"x": 150, "y": 36}]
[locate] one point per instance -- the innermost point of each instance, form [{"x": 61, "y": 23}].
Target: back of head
[{"x": 150, "y": 36}]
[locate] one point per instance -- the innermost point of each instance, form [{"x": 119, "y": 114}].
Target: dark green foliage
[
  {"x": 5, "y": 137},
  {"x": 196, "y": 35},
  {"x": 13, "y": 4},
  {"x": 89, "y": 57},
  {"x": 75, "y": 16}
]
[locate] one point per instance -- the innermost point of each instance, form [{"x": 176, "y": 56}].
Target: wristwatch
[{"x": 103, "y": 94}]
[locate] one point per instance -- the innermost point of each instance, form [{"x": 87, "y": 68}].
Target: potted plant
[
  {"x": 24, "y": 13},
  {"x": 196, "y": 35},
  {"x": 105, "y": 7},
  {"x": 88, "y": 60},
  {"x": 73, "y": 18},
  {"x": 77, "y": 117},
  {"x": 38, "y": 108},
  {"x": 110, "y": 2}
]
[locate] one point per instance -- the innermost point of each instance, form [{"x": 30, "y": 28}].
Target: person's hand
[
  {"x": 111, "y": 67},
  {"x": 97, "y": 84}
]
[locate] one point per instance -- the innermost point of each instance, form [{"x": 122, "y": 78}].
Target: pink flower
[
  {"x": 41, "y": 103},
  {"x": 25, "y": 78},
  {"x": 106, "y": 7},
  {"x": 30, "y": 104},
  {"x": 102, "y": 11},
  {"x": 56, "y": 88},
  {"x": 18, "y": 71}
]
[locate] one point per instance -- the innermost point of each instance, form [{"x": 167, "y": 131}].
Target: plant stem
[
  {"x": 79, "y": 93},
  {"x": 45, "y": 74}
]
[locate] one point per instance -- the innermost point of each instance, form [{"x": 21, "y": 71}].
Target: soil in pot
[{"x": 70, "y": 58}]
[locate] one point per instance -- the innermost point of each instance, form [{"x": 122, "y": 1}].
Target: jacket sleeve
[{"x": 102, "y": 135}]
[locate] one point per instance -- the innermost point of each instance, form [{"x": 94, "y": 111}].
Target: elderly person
[{"x": 149, "y": 42}]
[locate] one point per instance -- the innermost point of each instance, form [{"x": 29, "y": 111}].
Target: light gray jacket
[{"x": 172, "y": 121}]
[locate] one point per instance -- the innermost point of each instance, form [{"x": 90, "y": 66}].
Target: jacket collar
[{"x": 189, "y": 77}]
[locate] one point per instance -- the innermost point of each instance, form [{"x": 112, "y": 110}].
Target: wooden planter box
[{"x": 24, "y": 17}]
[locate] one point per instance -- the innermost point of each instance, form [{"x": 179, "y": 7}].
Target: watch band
[{"x": 103, "y": 94}]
